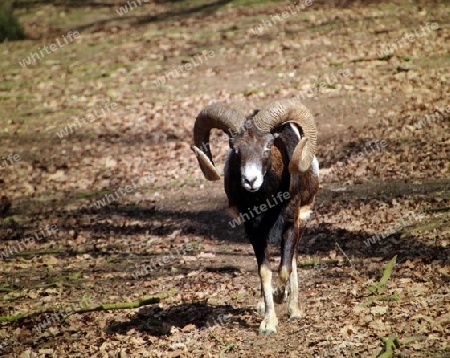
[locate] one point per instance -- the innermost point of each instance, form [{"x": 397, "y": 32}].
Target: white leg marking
[
  {"x": 294, "y": 310},
  {"x": 270, "y": 322},
  {"x": 305, "y": 213}
]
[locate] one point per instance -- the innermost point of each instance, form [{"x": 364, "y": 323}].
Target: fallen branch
[
  {"x": 38, "y": 253},
  {"x": 22, "y": 316},
  {"x": 392, "y": 342},
  {"x": 444, "y": 208},
  {"x": 102, "y": 307},
  {"x": 384, "y": 298},
  {"x": 389, "y": 346},
  {"x": 311, "y": 263},
  {"x": 11, "y": 299}
]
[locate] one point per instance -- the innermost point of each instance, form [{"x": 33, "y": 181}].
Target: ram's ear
[{"x": 270, "y": 141}]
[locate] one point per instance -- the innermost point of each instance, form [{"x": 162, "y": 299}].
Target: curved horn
[
  {"x": 218, "y": 116},
  {"x": 293, "y": 111}
]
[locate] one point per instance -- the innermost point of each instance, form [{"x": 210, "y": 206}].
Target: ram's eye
[{"x": 266, "y": 152}]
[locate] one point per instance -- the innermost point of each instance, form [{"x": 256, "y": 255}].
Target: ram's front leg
[
  {"x": 270, "y": 322},
  {"x": 288, "y": 251}
]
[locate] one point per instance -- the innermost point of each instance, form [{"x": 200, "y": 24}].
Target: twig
[
  {"x": 384, "y": 279},
  {"x": 226, "y": 349},
  {"x": 345, "y": 255},
  {"x": 388, "y": 271},
  {"x": 216, "y": 337}
]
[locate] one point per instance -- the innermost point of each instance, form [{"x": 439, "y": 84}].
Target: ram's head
[{"x": 251, "y": 138}]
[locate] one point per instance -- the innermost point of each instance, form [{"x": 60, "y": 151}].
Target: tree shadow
[
  {"x": 26, "y": 4},
  {"x": 124, "y": 11},
  {"x": 137, "y": 20},
  {"x": 20, "y": 4},
  {"x": 176, "y": 222},
  {"x": 319, "y": 238}
]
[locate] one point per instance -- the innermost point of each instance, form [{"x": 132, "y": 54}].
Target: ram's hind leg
[
  {"x": 300, "y": 225},
  {"x": 270, "y": 321},
  {"x": 288, "y": 252},
  {"x": 294, "y": 310}
]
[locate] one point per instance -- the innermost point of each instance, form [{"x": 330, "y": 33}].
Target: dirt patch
[{"x": 385, "y": 180}]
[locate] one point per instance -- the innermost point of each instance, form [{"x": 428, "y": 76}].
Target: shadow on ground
[
  {"x": 158, "y": 322},
  {"x": 320, "y": 238}
]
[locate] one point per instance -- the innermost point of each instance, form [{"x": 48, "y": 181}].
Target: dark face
[{"x": 254, "y": 154}]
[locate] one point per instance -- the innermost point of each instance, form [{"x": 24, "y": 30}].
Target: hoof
[
  {"x": 266, "y": 332},
  {"x": 295, "y": 314},
  {"x": 267, "y": 328}
]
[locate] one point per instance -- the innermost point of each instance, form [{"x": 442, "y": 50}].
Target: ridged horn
[
  {"x": 218, "y": 116},
  {"x": 291, "y": 110}
]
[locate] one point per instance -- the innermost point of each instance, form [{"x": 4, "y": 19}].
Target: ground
[{"x": 375, "y": 259}]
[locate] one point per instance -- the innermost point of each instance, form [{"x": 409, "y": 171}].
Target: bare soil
[{"x": 169, "y": 237}]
